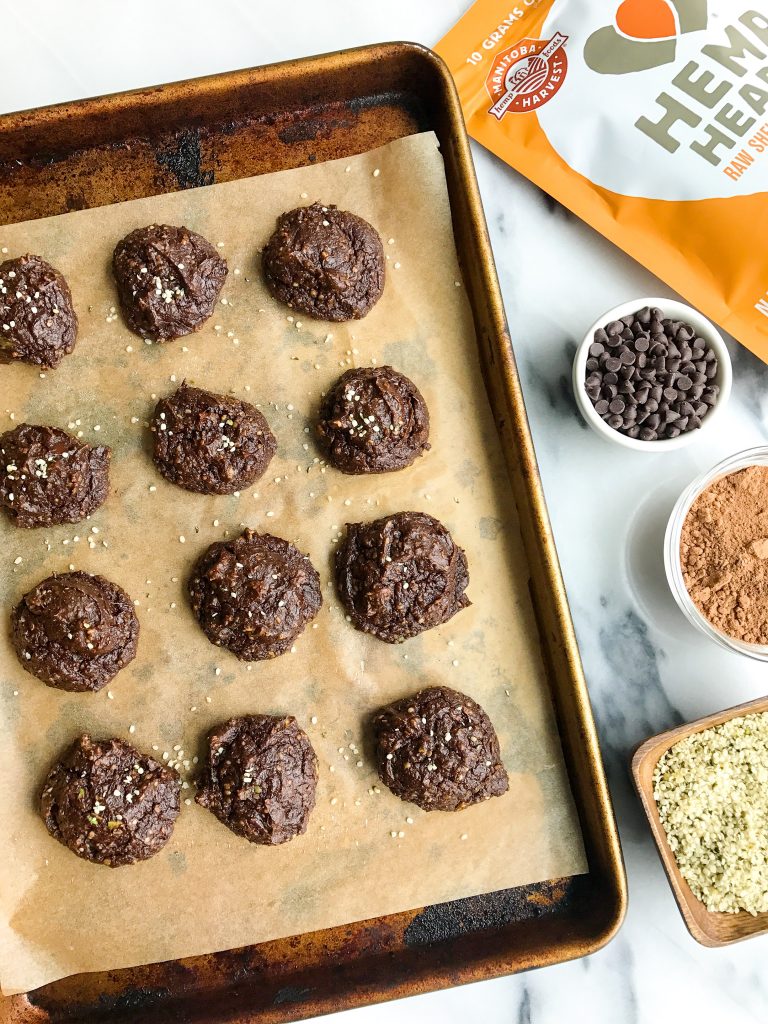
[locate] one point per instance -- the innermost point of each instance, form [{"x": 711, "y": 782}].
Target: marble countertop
[{"x": 647, "y": 668}]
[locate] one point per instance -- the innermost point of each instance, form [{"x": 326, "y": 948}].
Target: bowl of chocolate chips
[{"x": 652, "y": 374}]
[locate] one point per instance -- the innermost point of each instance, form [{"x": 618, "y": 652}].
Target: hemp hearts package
[{"x": 648, "y": 119}]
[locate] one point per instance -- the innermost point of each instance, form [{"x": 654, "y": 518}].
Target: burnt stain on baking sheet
[
  {"x": 492, "y": 911},
  {"x": 291, "y": 994},
  {"x": 133, "y": 1001},
  {"x": 406, "y": 101},
  {"x": 128, "y": 1006},
  {"x": 183, "y": 158},
  {"x": 308, "y": 127}
]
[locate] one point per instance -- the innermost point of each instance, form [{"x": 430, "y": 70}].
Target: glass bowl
[{"x": 673, "y": 568}]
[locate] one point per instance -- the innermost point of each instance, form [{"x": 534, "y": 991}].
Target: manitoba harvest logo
[
  {"x": 527, "y": 75},
  {"x": 644, "y": 35}
]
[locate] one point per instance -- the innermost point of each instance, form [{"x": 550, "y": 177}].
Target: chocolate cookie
[
  {"x": 438, "y": 749},
  {"x": 75, "y": 631},
  {"x": 400, "y": 575},
  {"x": 254, "y": 595},
  {"x": 48, "y": 477},
  {"x": 260, "y": 778},
  {"x": 168, "y": 280},
  {"x": 109, "y": 803},
  {"x": 210, "y": 443},
  {"x": 373, "y": 420},
  {"x": 325, "y": 262},
  {"x": 38, "y": 323}
]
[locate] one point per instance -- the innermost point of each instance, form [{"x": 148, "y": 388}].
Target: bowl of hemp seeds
[
  {"x": 652, "y": 375},
  {"x": 704, "y": 789},
  {"x": 716, "y": 553}
]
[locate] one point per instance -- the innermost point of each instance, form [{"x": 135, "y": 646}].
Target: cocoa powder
[{"x": 724, "y": 554}]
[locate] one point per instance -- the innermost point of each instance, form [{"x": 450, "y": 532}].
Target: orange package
[{"x": 648, "y": 119}]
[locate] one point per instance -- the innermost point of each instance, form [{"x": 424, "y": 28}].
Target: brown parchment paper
[{"x": 209, "y": 890}]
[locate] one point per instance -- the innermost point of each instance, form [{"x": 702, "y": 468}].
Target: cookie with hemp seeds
[
  {"x": 325, "y": 262},
  {"x": 439, "y": 749},
  {"x": 373, "y": 420},
  {"x": 48, "y": 477},
  {"x": 254, "y": 595},
  {"x": 260, "y": 778},
  {"x": 109, "y": 803},
  {"x": 400, "y": 575},
  {"x": 38, "y": 323},
  {"x": 168, "y": 280},
  {"x": 209, "y": 443},
  {"x": 75, "y": 631}
]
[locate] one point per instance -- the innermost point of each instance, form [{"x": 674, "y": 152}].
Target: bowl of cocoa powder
[{"x": 716, "y": 553}]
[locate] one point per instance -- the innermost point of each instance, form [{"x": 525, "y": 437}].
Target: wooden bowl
[{"x": 706, "y": 926}]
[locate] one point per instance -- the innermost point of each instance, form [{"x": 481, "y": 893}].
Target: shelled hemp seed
[{"x": 712, "y": 795}]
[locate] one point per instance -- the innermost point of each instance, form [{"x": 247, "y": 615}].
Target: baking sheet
[{"x": 209, "y": 890}]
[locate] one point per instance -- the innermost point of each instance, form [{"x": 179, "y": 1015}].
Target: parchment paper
[{"x": 209, "y": 890}]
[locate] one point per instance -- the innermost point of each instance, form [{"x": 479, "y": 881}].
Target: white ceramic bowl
[
  {"x": 677, "y": 311},
  {"x": 672, "y": 566}
]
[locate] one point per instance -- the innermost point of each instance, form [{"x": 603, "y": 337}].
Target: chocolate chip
[
  {"x": 646, "y": 434},
  {"x": 613, "y": 328},
  {"x": 670, "y": 394},
  {"x": 642, "y": 343},
  {"x": 616, "y": 406},
  {"x": 610, "y": 378},
  {"x": 601, "y": 407},
  {"x": 684, "y": 384},
  {"x": 596, "y": 348},
  {"x": 612, "y": 364},
  {"x": 615, "y": 422}
]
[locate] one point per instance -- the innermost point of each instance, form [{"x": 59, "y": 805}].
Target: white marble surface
[{"x": 646, "y": 667}]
